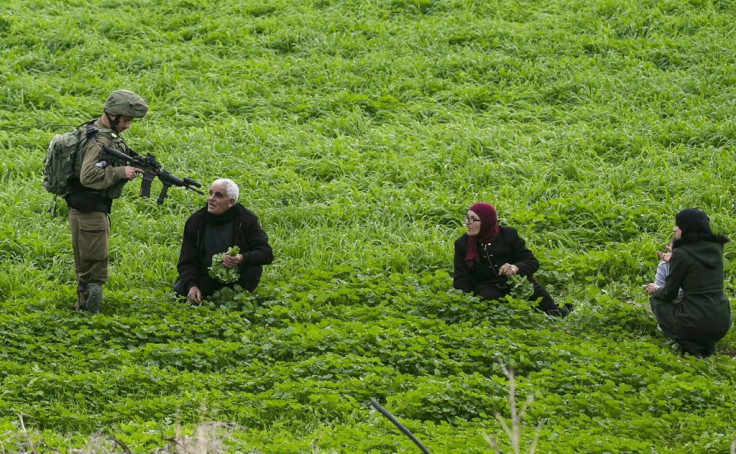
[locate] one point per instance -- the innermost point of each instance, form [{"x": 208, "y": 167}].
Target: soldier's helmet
[{"x": 124, "y": 102}]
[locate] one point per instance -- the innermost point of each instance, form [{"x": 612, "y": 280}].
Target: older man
[{"x": 221, "y": 224}]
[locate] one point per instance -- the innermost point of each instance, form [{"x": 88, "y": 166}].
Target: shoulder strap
[{"x": 89, "y": 129}]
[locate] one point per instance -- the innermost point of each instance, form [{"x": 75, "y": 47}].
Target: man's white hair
[{"x": 230, "y": 187}]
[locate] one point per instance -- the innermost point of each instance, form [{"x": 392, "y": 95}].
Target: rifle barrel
[{"x": 191, "y": 182}]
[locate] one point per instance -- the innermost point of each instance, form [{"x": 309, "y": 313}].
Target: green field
[{"x": 360, "y": 132}]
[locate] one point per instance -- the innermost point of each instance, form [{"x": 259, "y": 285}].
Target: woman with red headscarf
[{"x": 487, "y": 254}]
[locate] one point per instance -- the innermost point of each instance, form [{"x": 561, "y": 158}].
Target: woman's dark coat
[
  {"x": 508, "y": 248},
  {"x": 702, "y": 314}
]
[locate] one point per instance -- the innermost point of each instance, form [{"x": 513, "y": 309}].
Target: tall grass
[{"x": 360, "y": 132}]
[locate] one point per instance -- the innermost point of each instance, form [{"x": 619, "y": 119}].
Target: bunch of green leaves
[
  {"x": 521, "y": 287},
  {"x": 219, "y": 271}
]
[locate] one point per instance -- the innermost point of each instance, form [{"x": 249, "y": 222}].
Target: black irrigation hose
[{"x": 406, "y": 432}]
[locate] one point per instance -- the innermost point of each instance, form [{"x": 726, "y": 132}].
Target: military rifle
[{"x": 151, "y": 169}]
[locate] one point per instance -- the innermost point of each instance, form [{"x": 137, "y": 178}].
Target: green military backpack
[{"x": 63, "y": 160}]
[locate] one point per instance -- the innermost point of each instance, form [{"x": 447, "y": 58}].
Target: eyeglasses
[{"x": 469, "y": 220}]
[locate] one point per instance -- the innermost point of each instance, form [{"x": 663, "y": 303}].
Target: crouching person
[
  {"x": 690, "y": 305},
  {"x": 213, "y": 230},
  {"x": 488, "y": 254}
]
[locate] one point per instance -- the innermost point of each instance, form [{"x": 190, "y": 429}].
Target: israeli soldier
[{"x": 91, "y": 195}]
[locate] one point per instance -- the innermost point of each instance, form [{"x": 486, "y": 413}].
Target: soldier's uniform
[{"x": 91, "y": 195}]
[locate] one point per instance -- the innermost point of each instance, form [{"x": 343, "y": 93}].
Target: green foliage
[
  {"x": 360, "y": 132},
  {"x": 219, "y": 271},
  {"x": 521, "y": 287}
]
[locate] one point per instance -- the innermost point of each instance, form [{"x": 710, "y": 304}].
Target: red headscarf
[{"x": 489, "y": 231}]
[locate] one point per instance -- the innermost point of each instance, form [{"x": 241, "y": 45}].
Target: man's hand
[
  {"x": 194, "y": 296},
  {"x": 231, "y": 261},
  {"x": 131, "y": 172},
  {"x": 508, "y": 269}
]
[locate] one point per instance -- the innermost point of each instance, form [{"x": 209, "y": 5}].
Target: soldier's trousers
[{"x": 90, "y": 236}]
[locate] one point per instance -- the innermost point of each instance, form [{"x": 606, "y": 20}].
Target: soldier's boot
[
  {"x": 94, "y": 298},
  {"x": 82, "y": 294}
]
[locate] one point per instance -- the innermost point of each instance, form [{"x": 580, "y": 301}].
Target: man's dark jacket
[{"x": 247, "y": 234}]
